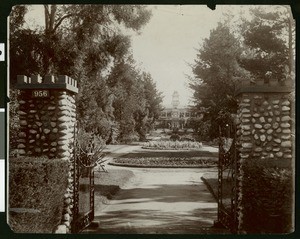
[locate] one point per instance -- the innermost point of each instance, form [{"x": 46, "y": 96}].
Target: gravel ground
[
  {"x": 151, "y": 201},
  {"x": 167, "y": 201}
]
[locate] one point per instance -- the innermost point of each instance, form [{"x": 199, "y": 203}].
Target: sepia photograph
[{"x": 151, "y": 119}]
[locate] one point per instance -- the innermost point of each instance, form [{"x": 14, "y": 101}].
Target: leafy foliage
[
  {"x": 267, "y": 42},
  {"x": 39, "y": 184},
  {"x": 86, "y": 42},
  {"x": 259, "y": 47},
  {"x": 267, "y": 197},
  {"x": 89, "y": 148},
  {"x": 14, "y": 122},
  {"x": 201, "y": 129},
  {"x": 217, "y": 72}
]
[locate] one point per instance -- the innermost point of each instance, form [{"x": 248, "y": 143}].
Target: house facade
[{"x": 176, "y": 117}]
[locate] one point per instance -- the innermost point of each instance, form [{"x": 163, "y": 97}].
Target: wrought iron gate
[
  {"x": 83, "y": 205},
  {"x": 227, "y": 179}
]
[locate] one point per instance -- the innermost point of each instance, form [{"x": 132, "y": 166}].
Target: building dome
[{"x": 175, "y": 99}]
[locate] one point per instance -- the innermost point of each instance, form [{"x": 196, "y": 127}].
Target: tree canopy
[
  {"x": 269, "y": 44},
  {"x": 260, "y": 47},
  {"x": 217, "y": 71},
  {"x": 87, "y": 42}
]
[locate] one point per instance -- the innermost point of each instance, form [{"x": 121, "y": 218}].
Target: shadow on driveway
[{"x": 162, "y": 209}]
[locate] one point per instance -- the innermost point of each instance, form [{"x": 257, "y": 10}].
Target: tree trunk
[{"x": 49, "y": 19}]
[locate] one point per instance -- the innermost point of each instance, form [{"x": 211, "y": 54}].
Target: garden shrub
[
  {"x": 38, "y": 184},
  {"x": 129, "y": 138},
  {"x": 175, "y": 137},
  {"x": 267, "y": 196},
  {"x": 14, "y": 122},
  {"x": 89, "y": 150}
]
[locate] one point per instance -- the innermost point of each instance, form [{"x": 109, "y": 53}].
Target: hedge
[
  {"x": 36, "y": 190},
  {"x": 267, "y": 196}
]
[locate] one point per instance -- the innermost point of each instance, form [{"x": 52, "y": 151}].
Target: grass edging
[{"x": 210, "y": 189}]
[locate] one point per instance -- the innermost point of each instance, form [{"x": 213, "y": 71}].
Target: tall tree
[
  {"x": 86, "y": 42},
  {"x": 145, "y": 118},
  {"x": 269, "y": 41},
  {"x": 127, "y": 88},
  {"x": 25, "y": 45},
  {"x": 75, "y": 34},
  {"x": 216, "y": 73},
  {"x": 153, "y": 98}
]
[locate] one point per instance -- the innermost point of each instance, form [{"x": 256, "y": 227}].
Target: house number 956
[{"x": 40, "y": 93}]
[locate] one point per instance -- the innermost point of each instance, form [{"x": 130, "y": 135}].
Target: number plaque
[{"x": 40, "y": 93}]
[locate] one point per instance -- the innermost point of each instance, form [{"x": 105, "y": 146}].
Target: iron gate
[
  {"x": 227, "y": 179},
  {"x": 83, "y": 204}
]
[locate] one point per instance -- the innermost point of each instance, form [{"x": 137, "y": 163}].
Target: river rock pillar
[
  {"x": 264, "y": 129},
  {"x": 47, "y": 114}
]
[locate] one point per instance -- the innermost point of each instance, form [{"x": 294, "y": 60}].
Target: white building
[{"x": 174, "y": 116}]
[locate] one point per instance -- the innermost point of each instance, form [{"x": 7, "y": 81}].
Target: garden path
[{"x": 164, "y": 201}]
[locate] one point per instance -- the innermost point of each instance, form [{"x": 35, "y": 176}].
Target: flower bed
[
  {"x": 159, "y": 162},
  {"x": 163, "y": 145}
]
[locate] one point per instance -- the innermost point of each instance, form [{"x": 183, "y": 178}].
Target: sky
[
  {"x": 168, "y": 43},
  {"x": 171, "y": 39}
]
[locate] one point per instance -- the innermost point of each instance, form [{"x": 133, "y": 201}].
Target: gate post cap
[
  {"x": 22, "y": 79},
  {"x": 36, "y": 79},
  {"x": 63, "y": 79},
  {"x": 50, "y": 79}
]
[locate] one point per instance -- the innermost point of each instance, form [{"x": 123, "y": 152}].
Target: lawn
[
  {"x": 107, "y": 184},
  {"x": 211, "y": 181},
  {"x": 171, "y": 154}
]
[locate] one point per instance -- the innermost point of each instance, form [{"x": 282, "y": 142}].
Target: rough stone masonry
[
  {"x": 47, "y": 115},
  {"x": 265, "y": 124}
]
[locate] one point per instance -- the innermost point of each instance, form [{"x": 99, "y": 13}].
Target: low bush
[
  {"x": 267, "y": 196},
  {"x": 175, "y": 137},
  {"x": 173, "y": 145},
  {"x": 14, "y": 122},
  {"x": 89, "y": 150},
  {"x": 36, "y": 190},
  {"x": 129, "y": 138}
]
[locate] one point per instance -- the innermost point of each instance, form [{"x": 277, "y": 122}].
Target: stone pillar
[
  {"x": 47, "y": 115},
  {"x": 264, "y": 126},
  {"x": 47, "y": 119}
]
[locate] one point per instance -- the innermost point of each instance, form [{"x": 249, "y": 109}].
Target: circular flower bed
[
  {"x": 179, "y": 145},
  {"x": 162, "y": 162}
]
